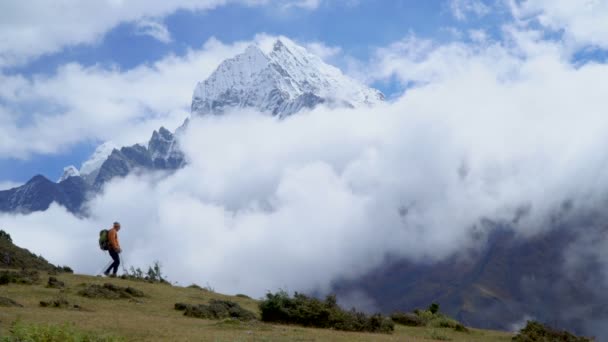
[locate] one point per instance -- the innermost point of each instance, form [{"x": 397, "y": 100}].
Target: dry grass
[{"x": 153, "y": 318}]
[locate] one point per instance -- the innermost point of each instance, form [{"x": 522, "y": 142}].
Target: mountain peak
[
  {"x": 69, "y": 171},
  {"x": 278, "y": 45},
  {"x": 281, "y": 82}
]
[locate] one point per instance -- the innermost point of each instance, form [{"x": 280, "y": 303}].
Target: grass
[{"x": 153, "y": 318}]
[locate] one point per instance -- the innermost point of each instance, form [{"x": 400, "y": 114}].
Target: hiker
[{"x": 114, "y": 249}]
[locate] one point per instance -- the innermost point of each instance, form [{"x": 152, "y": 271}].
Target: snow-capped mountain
[
  {"x": 281, "y": 82},
  {"x": 89, "y": 168},
  {"x": 161, "y": 153},
  {"x": 69, "y": 171}
]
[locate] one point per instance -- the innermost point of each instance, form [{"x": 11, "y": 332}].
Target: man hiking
[{"x": 114, "y": 249}]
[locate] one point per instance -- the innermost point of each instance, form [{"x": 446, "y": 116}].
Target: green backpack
[{"x": 104, "y": 243}]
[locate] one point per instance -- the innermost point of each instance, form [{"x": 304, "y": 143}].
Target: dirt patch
[
  {"x": 7, "y": 302},
  {"x": 54, "y": 283},
  {"x": 19, "y": 277},
  {"x": 216, "y": 309},
  {"x": 110, "y": 291}
]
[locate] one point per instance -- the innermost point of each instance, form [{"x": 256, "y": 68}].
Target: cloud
[
  {"x": 154, "y": 29},
  {"x": 6, "y": 185},
  {"x": 582, "y": 22},
  {"x": 299, "y": 203},
  {"x": 461, "y": 9},
  {"x": 323, "y": 51},
  {"x": 49, "y": 114},
  {"x": 39, "y": 27},
  {"x": 302, "y": 4}
]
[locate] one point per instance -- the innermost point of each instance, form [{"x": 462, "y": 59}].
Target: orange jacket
[{"x": 113, "y": 239}]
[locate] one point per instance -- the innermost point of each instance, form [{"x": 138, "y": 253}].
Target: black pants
[{"x": 116, "y": 262}]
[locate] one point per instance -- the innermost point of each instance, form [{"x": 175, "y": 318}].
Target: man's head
[{"x": 116, "y": 225}]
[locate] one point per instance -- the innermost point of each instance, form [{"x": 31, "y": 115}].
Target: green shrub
[
  {"x": 65, "y": 269},
  {"x": 216, "y": 309},
  {"x": 437, "y": 335},
  {"x": 240, "y": 295},
  {"x": 535, "y": 331},
  {"x": 20, "y": 277},
  {"x": 430, "y": 318},
  {"x": 408, "y": 319},
  {"x": 311, "y": 312},
  {"x": 53, "y": 333},
  {"x": 153, "y": 275}
]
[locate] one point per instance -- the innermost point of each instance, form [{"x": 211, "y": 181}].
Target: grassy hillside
[
  {"x": 153, "y": 317},
  {"x": 12, "y": 256}
]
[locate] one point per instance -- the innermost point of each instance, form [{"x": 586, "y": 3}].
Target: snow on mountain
[
  {"x": 69, "y": 171},
  {"x": 281, "y": 82},
  {"x": 99, "y": 156}
]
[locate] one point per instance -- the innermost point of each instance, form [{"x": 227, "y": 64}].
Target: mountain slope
[
  {"x": 512, "y": 279},
  {"x": 14, "y": 257},
  {"x": 39, "y": 192}
]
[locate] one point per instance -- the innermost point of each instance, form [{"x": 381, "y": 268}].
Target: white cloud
[
  {"x": 28, "y": 30},
  {"x": 6, "y": 185},
  {"x": 302, "y": 4},
  {"x": 298, "y": 203},
  {"x": 583, "y": 22},
  {"x": 34, "y": 28},
  {"x": 49, "y": 114},
  {"x": 153, "y": 28},
  {"x": 98, "y": 104},
  {"x": 322, "y": 50},
  {"x": 461, "y": 9}
]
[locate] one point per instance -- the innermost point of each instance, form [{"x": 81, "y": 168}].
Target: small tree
[
  {"x": 155, "y": 273},
  {"x": 434, "y": 308}
]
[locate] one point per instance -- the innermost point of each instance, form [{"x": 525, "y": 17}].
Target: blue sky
[{"x": 358, "y": 28}]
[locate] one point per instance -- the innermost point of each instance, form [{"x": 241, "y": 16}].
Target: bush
[
  {"x": 429, "y": 318},
  {"x": 535, "y": 331},
  {"x": 408, "y": 319},
  {"x": 7, "y": 302},
  {"x": 153, "y": 275},
  {"x": 21, "y": 277},
  {"x": 5, "y": 236},
  {"x": 55, "y": 283},
  {"x": 65, "y": 269},
  {"x": 216, "y": 309},
  {"x": 53, "y": 333},
  {"x": 311, "y": 312}
]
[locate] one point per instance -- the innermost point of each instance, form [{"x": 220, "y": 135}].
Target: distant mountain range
[{"x": 281, "y": 83}]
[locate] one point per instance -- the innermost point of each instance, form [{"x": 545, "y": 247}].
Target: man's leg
[{"x": 115, "y": 264}]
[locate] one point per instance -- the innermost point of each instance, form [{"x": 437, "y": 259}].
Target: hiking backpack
[{"x": 104, "y": 243}]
